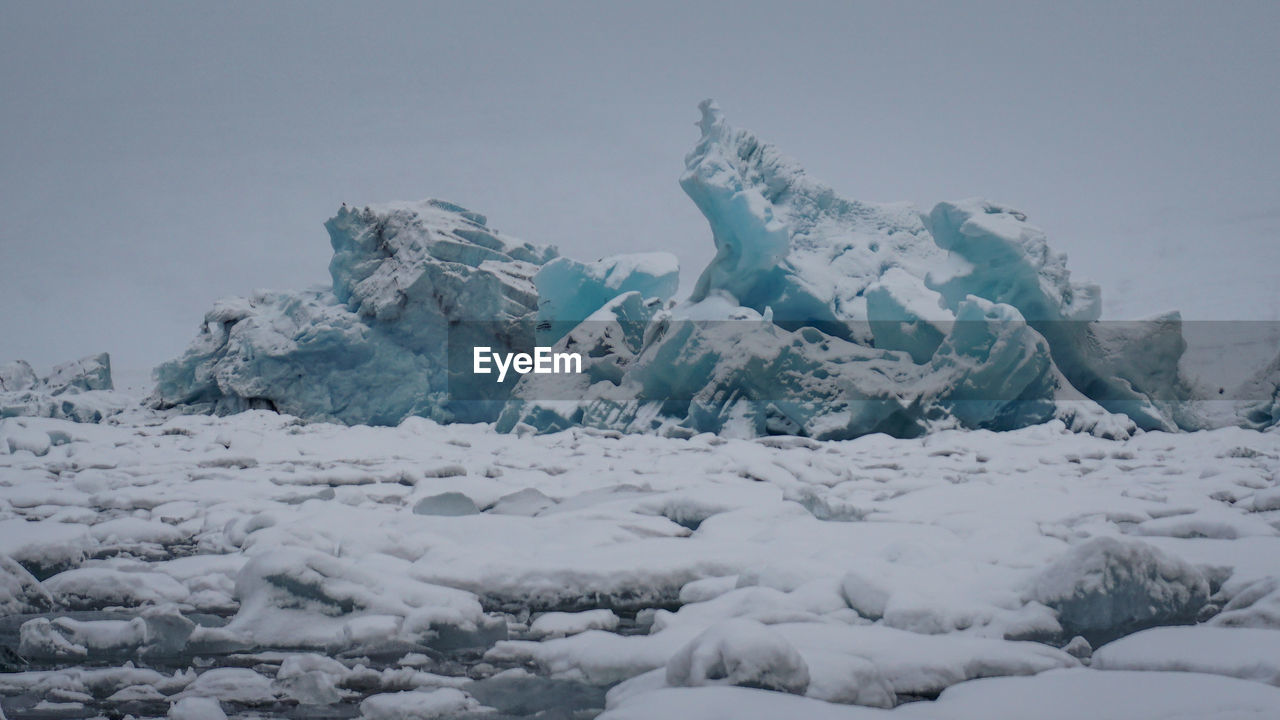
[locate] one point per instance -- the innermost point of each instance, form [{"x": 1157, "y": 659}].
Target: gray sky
[{"x": 157, "y": 156}]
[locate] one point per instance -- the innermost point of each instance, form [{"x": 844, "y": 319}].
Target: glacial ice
[
  {"x": 80, "y": 390},
  {"x": 570, "y": 291},
  {"x": 373, "y": 347},
  {"x": 818, "y": 316}
]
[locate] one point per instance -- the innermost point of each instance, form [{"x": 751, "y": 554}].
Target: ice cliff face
[{"x": 819, "y": 316}]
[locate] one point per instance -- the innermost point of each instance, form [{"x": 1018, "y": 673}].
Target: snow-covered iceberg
[
  {"x": 372, "y": 348},
  {"x": 80, "y": 390},
  {"x": 818, "y": 316},
  {"x": 833, "y": 318}
]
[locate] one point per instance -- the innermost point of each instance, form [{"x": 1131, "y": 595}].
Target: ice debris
[
  {"x": 80, "y": 391},
  {"x": 818, "y": 316}
]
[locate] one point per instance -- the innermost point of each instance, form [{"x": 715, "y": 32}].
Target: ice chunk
[
  {"x": 373, "y": 348},
  {"x": 863, "y": 318},
  {"x": 90, "y": 373},
  {"x": 16, "y": 376},
  {"x": 607, "y": 342},
  {"x": 447, "y": 503},
  {"x": 739, "y": 652},
  {"x": 196, "y": 708},
  {"x": 865, "y": 594},
  {"x": 1106, "y": 587},
  {"x": 528, "y": 502},
  {"x": 1257, "y": 605},
  {"x": 20, "y": 592},
  {"x": 312, "y": 679},
  {"x": 298, "y": 598},
  {"x": 80, "y": 391},
  {"x": 67, "y": 638},
  {"x": 44, "y": 547},
  {"x": 570, "y": 291},
  {"x": 418, "y": 705},
  {"x": 1263, "y": 392},
  {"x": 232, "y": 684},
  {"x": 1130, "y": 368},
  {"x": 89, "y": 588},
  {"x": 19, "y": 439},
  {"x": 561, "y": 624},
  {"x": 750, "y": 377}
]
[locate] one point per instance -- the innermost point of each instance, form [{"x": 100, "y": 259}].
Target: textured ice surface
[
  {"x": 818, "y": 316},
  {"x": 902, "y": 322},
  {"x": 570, "y": 291},
  {"x": 373, "y": 347},
  {"x": 786, "y": 241}
]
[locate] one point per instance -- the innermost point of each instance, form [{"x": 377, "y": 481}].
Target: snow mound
[
  {"x": 1248, "y": 654},
  {"x": 1099, "y": 695}
]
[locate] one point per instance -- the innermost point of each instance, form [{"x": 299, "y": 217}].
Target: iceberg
[
  {"x": 831, "y": 318},
  {"x": 818, "y": 316},
  {"x": 80, "y": 391},
  {"x": 371, "y": 348}
]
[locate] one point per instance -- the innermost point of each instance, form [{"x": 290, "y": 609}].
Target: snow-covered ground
[{"x": 155, "y": 562}]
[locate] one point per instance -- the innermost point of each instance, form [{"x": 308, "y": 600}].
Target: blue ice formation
[
  {"x": 569, "y": 291},
  {"x": 818, "y": 316},
  {"x": 856, "y": 317},
  {"x": 373, "y": 347}
]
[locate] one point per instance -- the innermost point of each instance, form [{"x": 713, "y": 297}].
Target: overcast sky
[{"x": 157, "y": 156}]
